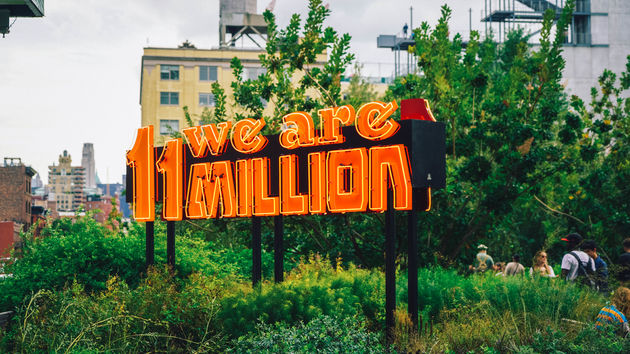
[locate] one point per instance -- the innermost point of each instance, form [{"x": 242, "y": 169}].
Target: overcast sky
[{"x": 73, "y": 76}]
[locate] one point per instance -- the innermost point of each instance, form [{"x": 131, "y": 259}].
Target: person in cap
[
  {"x": 575, "y": 262},
  {"x": 483, "y": 261},
  {"x": 601, "y": 268},
  {"x": 623, "y": 272},
  {"x": 515, "y": 267}
]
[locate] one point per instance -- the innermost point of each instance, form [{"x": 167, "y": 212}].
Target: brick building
[{"x": 15, "y": 202}]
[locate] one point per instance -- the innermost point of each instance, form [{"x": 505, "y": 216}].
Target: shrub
[
  {"x": 80, "y": 250},
  {"x": 323, "y": 334},
  {"x": 313, "y": 289},
  {"x": 158, "y": 315}
]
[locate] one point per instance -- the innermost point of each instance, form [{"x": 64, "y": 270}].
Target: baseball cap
[
  {"x": 482, "y": 247},
  {"x": 573, "y": 237}
]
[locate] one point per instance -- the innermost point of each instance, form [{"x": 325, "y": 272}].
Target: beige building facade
[
  {"x": 176, "y": 77},
  {"x": 66, "y": 184}
]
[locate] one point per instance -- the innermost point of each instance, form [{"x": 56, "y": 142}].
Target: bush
[
  {"x": 323, "y": 334},
  {"x": 158, "y": 315},
  {"x": 313, "y": 289},
  {"x": 87, "y": 252},
  {"x": 80, "y": 250}
]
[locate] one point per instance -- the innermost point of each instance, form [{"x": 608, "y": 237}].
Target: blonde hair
[
  {"x": 621, "y": 300},
  {"x": 545, "y": 266}
]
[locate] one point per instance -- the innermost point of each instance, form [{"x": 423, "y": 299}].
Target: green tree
[{"x": 504, "y": 107}]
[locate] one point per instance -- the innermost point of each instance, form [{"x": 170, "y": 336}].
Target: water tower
[
  {"x": 238, "y": 18},
  {"x": 18, "y": 8}
]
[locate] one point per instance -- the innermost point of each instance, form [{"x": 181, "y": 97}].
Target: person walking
[
  {"x": 601, "y": 268},
  {"x": 575, "y": 262},
  {"x": 623, "y": 272},
  {"x": 483, "y": 261},
  {"x": 540, "y": 266},
  {"x": 514, "y": 267}
]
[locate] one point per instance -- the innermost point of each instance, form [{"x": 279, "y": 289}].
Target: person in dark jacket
[
  {"x": 601, "y": 268},
  {"x": 623, "y": 272}
]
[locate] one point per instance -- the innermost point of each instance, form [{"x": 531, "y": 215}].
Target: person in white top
[
  {"x": 570, "y": 266},
  {"x": 540, "y": 266}
]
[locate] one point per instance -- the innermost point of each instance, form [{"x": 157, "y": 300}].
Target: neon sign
[{"x": 231, "y": 170}]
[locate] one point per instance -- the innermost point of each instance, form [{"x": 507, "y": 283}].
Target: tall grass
[{"x": 496, "y": 312}]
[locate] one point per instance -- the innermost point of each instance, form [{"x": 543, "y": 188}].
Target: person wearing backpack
[
  {"x": 577, "y": 264},
  {"x": 483, "y": 261}
]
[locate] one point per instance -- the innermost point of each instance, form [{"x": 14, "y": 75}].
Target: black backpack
[{"x": 585, "y": 275}]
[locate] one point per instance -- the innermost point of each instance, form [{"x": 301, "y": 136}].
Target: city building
[
  {"x": 16, "y": 201},
  {"x": 596, "y": 38},
  {"x": 172, "y": 78},
  {"x": 87, "y": 162},
  {"x": 66, "y": 184},
  {"x": 103, "y": 204}
]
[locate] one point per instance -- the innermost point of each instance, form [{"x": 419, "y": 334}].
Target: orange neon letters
[
  {"x": 316, "y": 182},
  {"x": 245, "y": 136},
  {"x": 391, "y": 161},
  {"x": 331, "y": 121},
  {"x": 140, "y": 158},
  {"x": 373, "y": 123},
  {"x": 299, "y": 130},
  {"x": 170, "y": 166},
  {"x": 216, "y": 136},
  {"x": 291, "y": 202},
  {"x": 347, "y": 198},
  {"x": 244, "y": 177},
  {"x": 219, "y": 190},
  {"x": 196, "y": 205},
  {"x": 197, "y": 143},
  {"x": 264, "y": 205}
]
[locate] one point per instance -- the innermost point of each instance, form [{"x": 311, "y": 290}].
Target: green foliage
[
  {"x": 86, "y": 252},
  {"x": 359, "y": 90},
  {"x": 158, "y": 314},
  {"x": 323, "y": 334},
  {"x": 313, "y": 289},
  {"x": 587, "y": 340},
  {"x": 69, "y": 250},
  {"x": 292, "y": 69}
]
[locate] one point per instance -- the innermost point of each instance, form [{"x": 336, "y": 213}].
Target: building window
[
  {"x": 171, "y": 98},
  {"x": 169, "y": 72},
  {"x": 207, "y": 73},
  {"x": 206, "y": 99},
  {"x": 168, "y": 126},
  {"x": 253, "y": 73}
]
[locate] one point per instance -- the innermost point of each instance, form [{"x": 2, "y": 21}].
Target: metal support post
[
  {"x": 170, "y": 243},
  {"x": 278, "y": 249},
  {"x": 390, "y": 267},
  {"x": 256, "y": 251},
  {"x": 149, "y": 245},
  {"x": 412, "y": 269}
]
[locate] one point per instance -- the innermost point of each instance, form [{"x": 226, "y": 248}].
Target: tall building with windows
[
  {"x": 66, "y": 184},
  {"x": 15, "y": 202},
  {"x": 176, "y": 77},
  {"x": 87, "y": 162}
]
